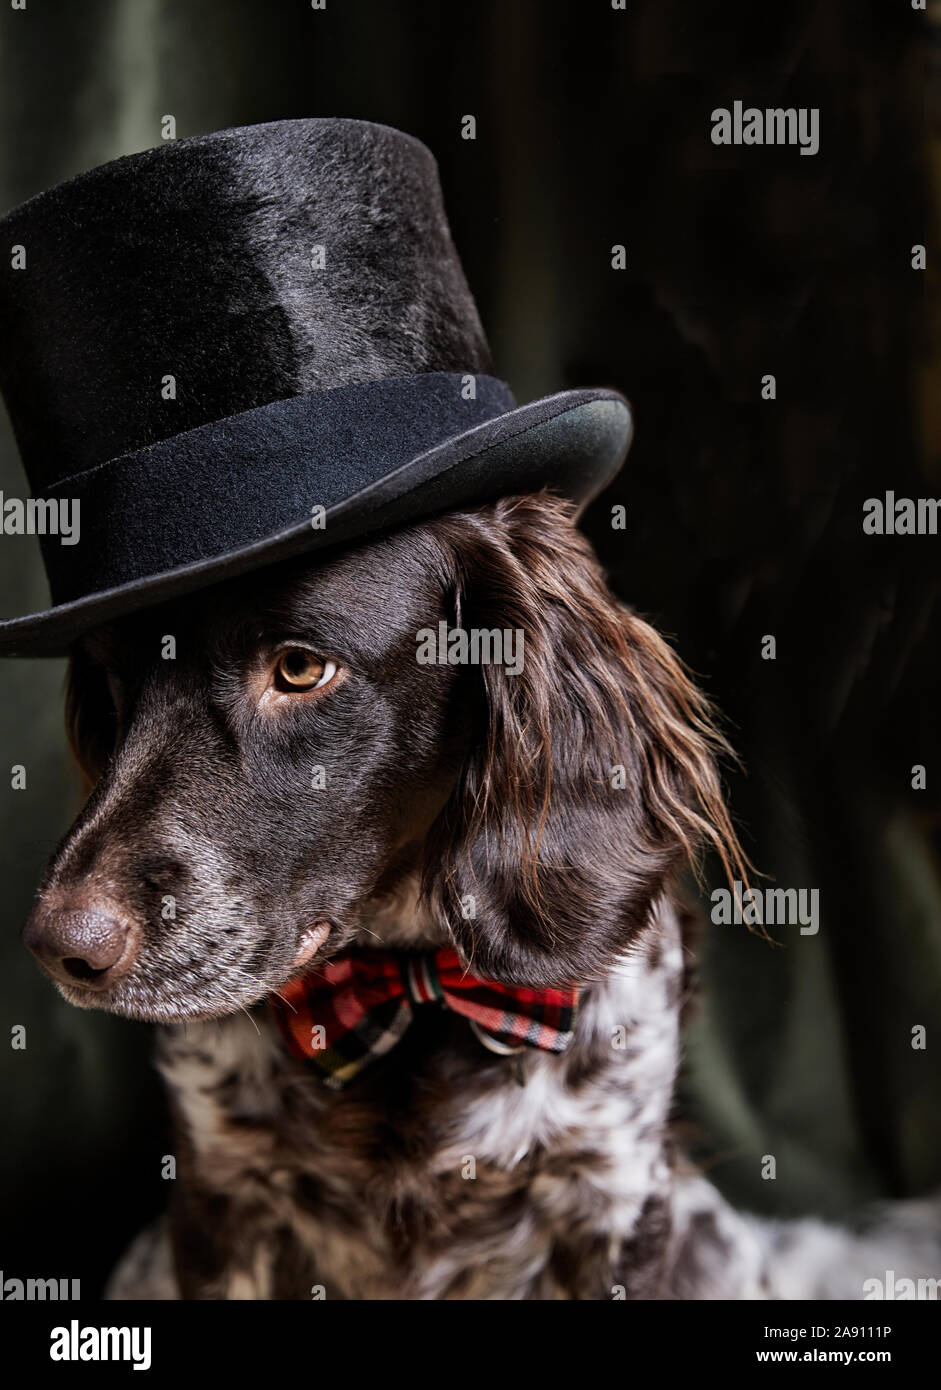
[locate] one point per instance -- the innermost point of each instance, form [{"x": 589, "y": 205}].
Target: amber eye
[{"x": 298, "y": 670}]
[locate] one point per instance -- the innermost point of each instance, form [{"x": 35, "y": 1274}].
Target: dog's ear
[
  {"x": 89, "y": 715},
  {"x": 593, "y": 774}
]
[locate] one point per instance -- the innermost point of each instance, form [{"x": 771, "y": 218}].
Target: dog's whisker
[
  {"x": 286, "y": 1002},
  {"x": 250, "y": 1019}
]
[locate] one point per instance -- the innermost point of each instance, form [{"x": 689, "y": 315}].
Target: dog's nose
[{"x": 78, "y": 947}]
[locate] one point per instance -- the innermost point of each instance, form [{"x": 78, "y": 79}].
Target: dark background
[{"x": 744, "y": 516}]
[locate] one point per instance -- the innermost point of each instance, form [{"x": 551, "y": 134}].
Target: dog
[{"x": 277, "y": 782}]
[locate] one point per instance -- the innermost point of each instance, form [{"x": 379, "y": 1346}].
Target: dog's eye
[{"x": 298, "y": 670}]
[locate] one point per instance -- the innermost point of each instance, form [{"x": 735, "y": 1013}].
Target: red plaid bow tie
[{"x": 358, "y": 1006}]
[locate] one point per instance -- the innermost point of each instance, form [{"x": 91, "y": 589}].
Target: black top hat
[{"x": 208, "y": 343}]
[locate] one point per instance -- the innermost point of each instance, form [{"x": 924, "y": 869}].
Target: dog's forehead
[
  {"x": 361, "y": 594},
  {"x": 373, "y": 573},
  {"x": 386, "y": 576}
]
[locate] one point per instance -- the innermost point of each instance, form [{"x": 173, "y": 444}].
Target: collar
[{"x": 357, "y": 1006}]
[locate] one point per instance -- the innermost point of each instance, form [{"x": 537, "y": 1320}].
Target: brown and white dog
[{"x": 443, "y": 1170}]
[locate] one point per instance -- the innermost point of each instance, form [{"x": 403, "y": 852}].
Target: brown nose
[{"x": 78, "y": 947}]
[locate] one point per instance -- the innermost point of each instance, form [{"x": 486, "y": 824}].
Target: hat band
[{"x": 240, "y": 480}]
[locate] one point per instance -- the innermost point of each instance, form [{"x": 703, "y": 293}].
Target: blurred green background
[{"x": 744, "y": 515}]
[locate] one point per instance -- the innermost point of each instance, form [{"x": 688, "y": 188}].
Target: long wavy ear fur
[{"x": 594, "y": 775}]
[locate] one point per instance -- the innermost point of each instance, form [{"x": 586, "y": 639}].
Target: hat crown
[{"x": 212, "y": 275}]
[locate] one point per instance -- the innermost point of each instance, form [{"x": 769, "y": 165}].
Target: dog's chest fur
[{"x": 444, "y": 1171}]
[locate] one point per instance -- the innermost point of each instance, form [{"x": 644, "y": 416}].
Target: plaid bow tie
[{"x": 358, "y": 1006}]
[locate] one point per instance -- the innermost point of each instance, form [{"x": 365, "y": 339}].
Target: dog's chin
[{"x": 125, "y": 1005}]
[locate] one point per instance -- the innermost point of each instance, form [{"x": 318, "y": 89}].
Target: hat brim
[{"x": 573, "y": 442}]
